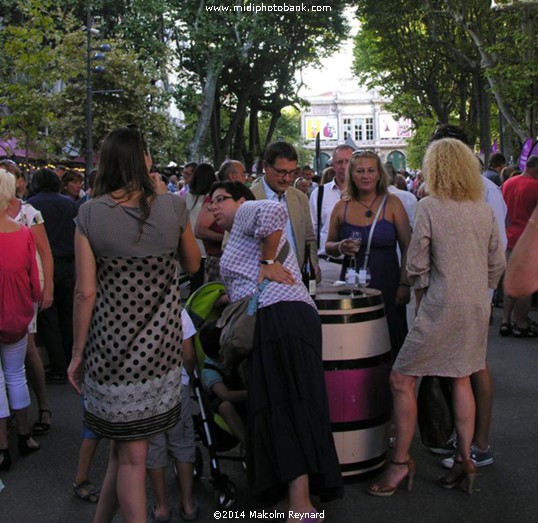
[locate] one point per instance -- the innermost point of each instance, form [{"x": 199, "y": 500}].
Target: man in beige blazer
[{"x": 279, "y": 165}]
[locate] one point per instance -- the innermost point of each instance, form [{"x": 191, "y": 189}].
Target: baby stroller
[{"x": 210, "y": 427}]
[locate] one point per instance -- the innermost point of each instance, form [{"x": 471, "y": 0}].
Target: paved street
[{"x": 38, "y": 487}]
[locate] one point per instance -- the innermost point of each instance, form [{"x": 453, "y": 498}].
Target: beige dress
[{"x": 455, "y": 255}]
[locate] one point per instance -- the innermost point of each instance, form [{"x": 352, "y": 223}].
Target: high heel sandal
[
  {"x": 463, "y": 473},
  {"x": 24, "y": 447},
  {"x": 385, "y": 490},
  {"x": 40, "y": 427},
  {"x": 6, "y": 461}
]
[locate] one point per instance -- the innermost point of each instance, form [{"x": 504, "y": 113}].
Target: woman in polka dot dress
[{"x": 130, "y": 239}]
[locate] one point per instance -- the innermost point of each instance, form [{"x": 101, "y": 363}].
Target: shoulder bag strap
[
  {"x": 320, "y": 203},
  {"x": 366, "y": 256}
]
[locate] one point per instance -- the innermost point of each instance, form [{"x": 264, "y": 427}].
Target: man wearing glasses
[{"x": 280, "y": 168}]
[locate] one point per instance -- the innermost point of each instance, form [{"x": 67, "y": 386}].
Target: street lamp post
[
  {"x": 89, "y": 126},
  {"x": 98, "y": 56}
]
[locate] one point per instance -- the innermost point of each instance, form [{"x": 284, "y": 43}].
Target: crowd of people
[{"x": 93, "y": 277}]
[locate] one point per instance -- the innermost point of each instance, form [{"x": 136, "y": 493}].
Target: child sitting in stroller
[{"x": 225, "y": 391}]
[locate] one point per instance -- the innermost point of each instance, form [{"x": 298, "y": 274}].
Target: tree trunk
[
  {"x": 253, "y": 149},
  {"x": 484, "y": 118},
  {"x": 275, "y": 115},
  {"x": 494, "y": 82},
  {"x": 218, "y": 156},
  {"x": 208, "y": 101},
  {"x": 238, "y": 120},
  {"x": 238, "y": 143}
]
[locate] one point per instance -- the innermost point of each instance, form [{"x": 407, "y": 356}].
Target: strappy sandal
[
  {"x": 86, "y": 491},
  {"x": 382, "y": 489},
  {"x": 505, "y": 329},
  {"x": 41, "y": 428},
  {"x": 27, "y": 444}
]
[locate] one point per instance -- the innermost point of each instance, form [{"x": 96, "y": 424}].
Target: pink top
[{"x": 19, "y": 284}]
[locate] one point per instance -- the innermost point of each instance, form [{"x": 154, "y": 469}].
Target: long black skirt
[{"x": 288, "y": 413}]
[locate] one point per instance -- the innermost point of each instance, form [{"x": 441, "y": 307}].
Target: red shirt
[
  {"x": 19, "y": 283},
  {"x": 521, "y": 196}
]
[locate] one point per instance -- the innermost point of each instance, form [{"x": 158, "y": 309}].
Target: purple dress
[{"x": 384, "y": 269}]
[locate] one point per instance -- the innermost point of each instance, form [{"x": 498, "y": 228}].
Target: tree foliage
[
  {"x": 446, "y": 61},
  {"x": 243, "y": 64},
  {"x": 30, "y": 56},
  {"x": 45, "y": 91},
  {"x": 234, "y": 70}
]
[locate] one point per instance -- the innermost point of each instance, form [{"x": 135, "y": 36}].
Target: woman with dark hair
[
  {"x": 291, "y": 448},
  {"x": 55, "y": 324},
  {"x": 367, "y": 193},
  {"x": 130, "y": 239},
  {"x": 202, "y": 180},
  {"x": 72, "y": 184},
  {"x": 11, "y": 167}
]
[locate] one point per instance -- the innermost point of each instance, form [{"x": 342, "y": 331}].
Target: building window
[
  {"x": 347, "y": 127},
  {"x": 357, "y": 129},
  {"x": 360, "y": 129},
  {"x": 369, "y": 128}
]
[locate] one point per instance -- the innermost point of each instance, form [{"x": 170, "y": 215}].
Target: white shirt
[
  {"x": 273, "y": 196},
  {"x": 331, "y": 194},
  {"x": 495, "y": 200},
  {"x": 189, "y": 330},
  {"x": 409, "y": 201}
]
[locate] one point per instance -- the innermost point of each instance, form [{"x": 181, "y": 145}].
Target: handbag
[
  {"x": 434, "y": 411},
  {"x": 238, "y": 321}
]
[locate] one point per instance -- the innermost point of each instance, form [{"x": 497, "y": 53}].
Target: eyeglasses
[
  {"x": 218, "y": 200},
  {"x": 283, "y": 172}
]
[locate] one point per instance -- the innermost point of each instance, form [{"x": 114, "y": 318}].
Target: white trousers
[{"x": 13, "y": 377}]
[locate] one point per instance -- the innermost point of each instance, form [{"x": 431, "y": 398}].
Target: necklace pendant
[{"x": 368, "y": 213}]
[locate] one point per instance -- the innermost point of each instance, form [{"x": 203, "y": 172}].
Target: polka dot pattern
[{"x": 134, "y": 348}]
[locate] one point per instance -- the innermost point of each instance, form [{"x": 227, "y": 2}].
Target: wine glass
[
  {"x": 364, "y": 277},
  {"x": 351, "y": 275},
  {"x": 356, "y": 238}
]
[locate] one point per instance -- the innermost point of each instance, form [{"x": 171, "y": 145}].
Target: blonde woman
[
  {"x": 19, "y": 290},
  {"x": 26, "y": 214},
  {"x": 454, "y": 257}
]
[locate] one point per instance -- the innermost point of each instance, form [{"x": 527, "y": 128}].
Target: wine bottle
[{"x": 308, "y": 274}]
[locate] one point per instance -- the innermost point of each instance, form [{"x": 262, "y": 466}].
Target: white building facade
[{"x": 356, "y": 116}]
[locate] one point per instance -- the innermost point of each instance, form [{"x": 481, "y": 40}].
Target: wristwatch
[{"x": 267, "y": 262}]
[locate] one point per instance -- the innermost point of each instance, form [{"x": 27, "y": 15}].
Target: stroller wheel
[
  {"x": 198, "y": 469},
  {"x": 225, "y": 495}
]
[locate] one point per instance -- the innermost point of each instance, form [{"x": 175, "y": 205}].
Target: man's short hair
[
  {"x": 342, "y": 147},
  {"x": 280, "y": 149},
  {"x": 496, "y": 160},
  {"x": 532, "y": 163},
  {"x": 225, "y": 169},
  {"x": 450, "y": 131}
]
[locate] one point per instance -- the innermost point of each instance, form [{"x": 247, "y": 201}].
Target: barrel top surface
[{"x": 331, "y": 300}]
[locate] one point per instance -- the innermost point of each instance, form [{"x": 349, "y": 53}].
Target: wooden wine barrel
[{"x": 357, "y": 362}]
